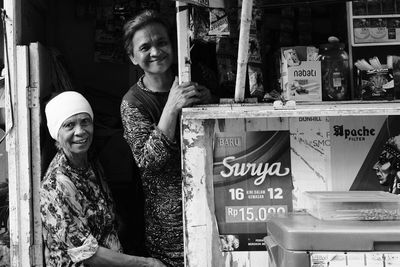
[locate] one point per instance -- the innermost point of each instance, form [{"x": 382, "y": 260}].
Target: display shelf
[
  {"x": 376, "y": 44},
  {"x": 376, "y": 16},
  {"x": 348, "y": 108},
  {"x": 313, "y": 165},
  {"x": 391, "y": 35}
]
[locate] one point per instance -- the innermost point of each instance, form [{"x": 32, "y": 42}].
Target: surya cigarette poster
[{"x": 252, "y": 182}]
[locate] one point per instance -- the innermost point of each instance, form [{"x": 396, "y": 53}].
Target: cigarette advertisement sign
[
  {"x": 344, "y": 153},
  {"x": 252, "y": 182}
]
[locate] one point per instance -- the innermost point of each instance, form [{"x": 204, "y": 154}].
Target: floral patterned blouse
[
  {"x": 158, "y": 159},
  {"x": 77, "y": 214}
]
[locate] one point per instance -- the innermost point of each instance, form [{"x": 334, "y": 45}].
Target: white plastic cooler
[{"x": 300, "y": 240}]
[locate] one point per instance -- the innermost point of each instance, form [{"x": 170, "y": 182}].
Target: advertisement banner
[
  {"x": 252, "y": 182},
  {"x": 344, "y": 153},
  {"x": 369, "y": 147}
]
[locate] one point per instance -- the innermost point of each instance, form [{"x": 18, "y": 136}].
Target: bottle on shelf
[{"x": 334, "y": 70}]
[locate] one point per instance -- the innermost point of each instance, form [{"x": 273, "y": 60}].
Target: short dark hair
[{"x": 139, "y": 21}]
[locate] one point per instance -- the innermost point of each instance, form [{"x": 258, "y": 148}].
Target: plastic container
[
  {"x": 353, "y": 205},
  {"x": 335, "y": 72}
]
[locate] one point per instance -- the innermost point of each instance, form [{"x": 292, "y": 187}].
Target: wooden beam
[
  {"x": 245, "y": 21},
  {"x": 267, "y": 110},
  {"x": 182, "y": 24},
  {"x": 201, "y": 237},
  {"x": 37, "y": 87},
  {"x": 18, "y": 139}
]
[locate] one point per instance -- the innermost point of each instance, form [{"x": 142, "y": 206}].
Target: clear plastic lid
[{"x": 332, "y": 46}]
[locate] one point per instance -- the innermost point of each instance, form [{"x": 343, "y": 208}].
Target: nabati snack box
[{"x": 301, "y": 73}]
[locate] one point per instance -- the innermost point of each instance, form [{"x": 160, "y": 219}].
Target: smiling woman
[
  {"x": 79, "y": 225},
  {"x": 149, "y": 113}
]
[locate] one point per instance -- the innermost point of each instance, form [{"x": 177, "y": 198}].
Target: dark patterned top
[
  {"x": 158, "y": 159},
  {"x": 77, "y": 214}
]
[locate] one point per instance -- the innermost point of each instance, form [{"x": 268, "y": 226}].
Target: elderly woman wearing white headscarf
[{"x": 79, "y": 225}]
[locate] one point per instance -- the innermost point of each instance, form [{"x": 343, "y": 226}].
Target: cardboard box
[{"x": 301, "y": 74}]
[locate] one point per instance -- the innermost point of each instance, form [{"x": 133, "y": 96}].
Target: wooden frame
[{"x": 198, "y": 128}]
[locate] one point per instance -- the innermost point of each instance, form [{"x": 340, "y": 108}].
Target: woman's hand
[{"x": 183, "y": 95}]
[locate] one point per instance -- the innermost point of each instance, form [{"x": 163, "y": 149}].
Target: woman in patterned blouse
[
  {"x": 79, "y": 226},
  {"x": 149, "y": 112}
]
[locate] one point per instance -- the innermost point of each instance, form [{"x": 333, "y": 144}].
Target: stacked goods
[
  {"x": 270, "y": 30},
  {"x": 220, "y": 26},
  {"x": 375, "y": 80}
]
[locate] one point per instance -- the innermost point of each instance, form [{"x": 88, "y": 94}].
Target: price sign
[
  {"x": 240, "y": 214},
  {"x": 252, "y": 182}
]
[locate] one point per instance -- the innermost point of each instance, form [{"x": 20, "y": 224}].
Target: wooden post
[
  {"x": 38, "y": 68},
  {"x": 245, "y": 21},
  {"x": 182, "y": 24},
  {"x": 19, "y": 167},
  {"x": 18, "y": 139}
]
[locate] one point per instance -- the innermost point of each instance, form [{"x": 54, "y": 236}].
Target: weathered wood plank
[
  {"x": 19, "y": 167},
  {"x": 182, "y": 24},
  {"x": 39, "y": 81},
  {"x": 266, "y": 110},
  {"x": 201, "y": 236},
  {"x": 244, "y": 36}
]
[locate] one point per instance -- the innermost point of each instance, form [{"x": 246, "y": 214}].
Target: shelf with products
[
  {"x": 374, "y": 23},
  {"x": 374, "y": 34}
]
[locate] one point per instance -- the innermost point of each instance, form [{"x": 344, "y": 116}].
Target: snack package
[
  {"x": 376, "y": 84},
  {"x": 255, "y": 81},
  {"x": 199, "y": 25},
  {"x": 291, "y": 57},
  {"x": 375, "y": 81},
  {"x": 226, "y": 70},
  {"x": 226, "y": 62},
  {"x": 301, "y": 73},
  {"x": 219, "y": 24},
  {"x": 254, "y": 50},
  {"x": 312, "y": 53}
]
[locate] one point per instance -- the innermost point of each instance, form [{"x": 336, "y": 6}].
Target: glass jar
[{"x": 335, "y": 72}]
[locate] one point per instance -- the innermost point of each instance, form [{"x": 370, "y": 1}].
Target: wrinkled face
[
  {"x": 76, "y": 134},
  {"x": 152, "y": 49},
  {"x": 385, "y": 173}
]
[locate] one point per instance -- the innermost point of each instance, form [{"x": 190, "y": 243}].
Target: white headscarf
[{"x": 62, "y": 107}]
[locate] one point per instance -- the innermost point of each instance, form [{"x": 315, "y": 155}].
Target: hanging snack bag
[
  {"x": 218, "y": 22},
  {"x": 226, "y": 62},
  {"x": 254, "y": 50},
  {"x": 256, "y": 81}
]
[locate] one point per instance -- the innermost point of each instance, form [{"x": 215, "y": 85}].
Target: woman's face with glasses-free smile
[{"x": 152, "y": 49}]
